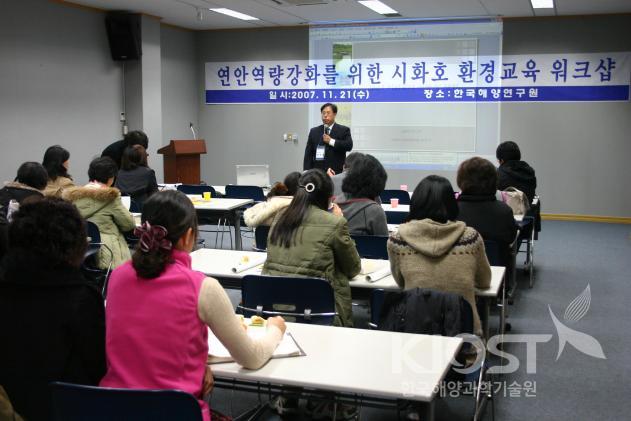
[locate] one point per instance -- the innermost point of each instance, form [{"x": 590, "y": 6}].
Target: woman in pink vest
[{"x": 158, "y": 310}]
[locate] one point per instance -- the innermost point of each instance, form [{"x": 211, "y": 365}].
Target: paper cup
[
  {"x": 394, "y": 202},
  {"x": 206, "y": 195}
]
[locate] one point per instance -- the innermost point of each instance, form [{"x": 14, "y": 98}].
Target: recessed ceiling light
[
  {"x": 234, "y": 14},
  {"x": 542, "y": 4},
  {"x": 378, "y": 7}
]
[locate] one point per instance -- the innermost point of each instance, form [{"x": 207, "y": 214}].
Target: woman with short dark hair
[
  {"x": 433, "y": 250},
  {"x": 363, "y": 184},
  {"x": 480, "y": 209},
  {"x": 100, "y": 203},
  {"x": 135, "y": 178},
  {"x": 309, "y": 241},
  {"x": 56, "y": 161},
  {"x": 51, "y": 318},
  {"x": 30, "y": 181},
  {"x": 513, "y": 172}
]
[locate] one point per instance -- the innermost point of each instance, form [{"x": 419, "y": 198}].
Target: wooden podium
[{"x": 181, "y": 161}]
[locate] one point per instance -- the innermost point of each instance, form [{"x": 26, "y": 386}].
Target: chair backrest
[
  {"x": 135, "y": 206},
  {"x": 234, "y": 191},
  {"x": 304, "y": 300},
  {"x": 260, "y": 237},
  {"x": 197, "y": 189},
  {"x": 94, "y": 238},
  {"x": 398, "y": 218},
  {"x": 377, "y": 296},
  {"x": 494, "y": 253},
  {"x": 402, "y": 195},
  {"x": 371, "y": 246},
  {"x": 72, "y": 402}
]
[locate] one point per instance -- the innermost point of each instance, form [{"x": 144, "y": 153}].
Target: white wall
[
  {"x": 179, "y": 86},
  {"x": 58, "y": 85}
]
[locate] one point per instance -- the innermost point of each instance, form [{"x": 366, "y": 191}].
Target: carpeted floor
[{"x": 569, "y": 256}]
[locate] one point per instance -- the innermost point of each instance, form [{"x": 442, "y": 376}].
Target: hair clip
[{"x": 152, "y": 238}]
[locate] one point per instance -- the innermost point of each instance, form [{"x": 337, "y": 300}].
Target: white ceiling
[{"x": 272, "y": 13}]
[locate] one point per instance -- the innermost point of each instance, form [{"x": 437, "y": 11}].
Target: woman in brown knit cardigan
[{"x": 433, "y": 250}]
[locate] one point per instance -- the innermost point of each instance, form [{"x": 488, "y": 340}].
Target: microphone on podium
[{"x": 193, "y": 130}]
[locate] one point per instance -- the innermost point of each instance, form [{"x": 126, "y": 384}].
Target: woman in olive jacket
[
  {"x": 309, "y": 241},
  {"x": 100, "y": 203}
]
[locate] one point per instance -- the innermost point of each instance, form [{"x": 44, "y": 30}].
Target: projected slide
[{"x": 413, "y": 135}]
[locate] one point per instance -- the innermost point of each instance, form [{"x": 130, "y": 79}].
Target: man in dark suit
[
  {"x": 328, "y": 143},
  {"x": 116, "y": 149}
]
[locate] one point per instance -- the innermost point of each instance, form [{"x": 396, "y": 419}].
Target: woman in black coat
[
  {"x": 52, "y": 320},
  {"x": 479, "y": 207}
]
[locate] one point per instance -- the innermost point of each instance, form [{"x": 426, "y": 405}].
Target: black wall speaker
[{"x": 123, "y": 34}]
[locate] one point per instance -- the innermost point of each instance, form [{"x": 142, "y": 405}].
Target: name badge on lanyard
[{"x": 319, "y": 153}]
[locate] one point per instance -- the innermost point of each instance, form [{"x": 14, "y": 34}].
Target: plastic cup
[
  {"x": 394, "y": 202},
  {"x": 404, "y": 187},
  {"x": 206, "y": 195}
]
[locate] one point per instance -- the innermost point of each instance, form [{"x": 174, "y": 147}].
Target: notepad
[
  {"x": 217, "y": 353},
  {"x": 248, "y": 261}
]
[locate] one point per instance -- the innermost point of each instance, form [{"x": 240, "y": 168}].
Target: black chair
[
  {"x": 73, "y": 402},
  {"x": 255, "y": 193},
  {"x": 89, "y": 266},
  {"x": 397, "y": 218},
  {"x": 527, "y": 237},
  {"x": 260, "y": 237},
  {"x": 200, "y": 189},
  {"x": 197, "y": 189},
  {"x": 402, "y": 195},
  {"x": 235, "y": 191},
  {"x": 377, "y": 297},
  {"x": 371, "y": 246},
  {"x": 303, "y": 300}
]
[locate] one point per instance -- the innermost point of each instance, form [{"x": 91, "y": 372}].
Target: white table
[
  {"x": 219, "y": 264},
  {"x": 356, "y": 364},
  {"x": 400, "y": 208},
  {"x": 223, "y": 208}
]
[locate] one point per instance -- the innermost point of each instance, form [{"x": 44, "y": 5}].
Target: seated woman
[
  {"x": 30, "y": 181},
  {"x": 513, "y": 172},
  {"x": 307, "y": 240},
  {"x": 433, "y": 250},
  {"x": 52, "y": 320},
  {"x": 158, "y": 292},
  {"x": 100, "y": 203},
  {"x": 478, "y": 206},
  {"x": 363, "y": 183},
  {"x": 56, "y": 161},
  {"x": 135, "y": 178},
  {"x": 278, "y": 198}
]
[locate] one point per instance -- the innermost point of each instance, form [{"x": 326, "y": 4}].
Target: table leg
[
  {"x": 427, "y": 411},
  {"x": 485, "y": 317},
  {"x": 236, "y": 215}
]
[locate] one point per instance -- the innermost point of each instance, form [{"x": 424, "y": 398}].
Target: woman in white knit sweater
[{"x": 278, "y": 198}]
